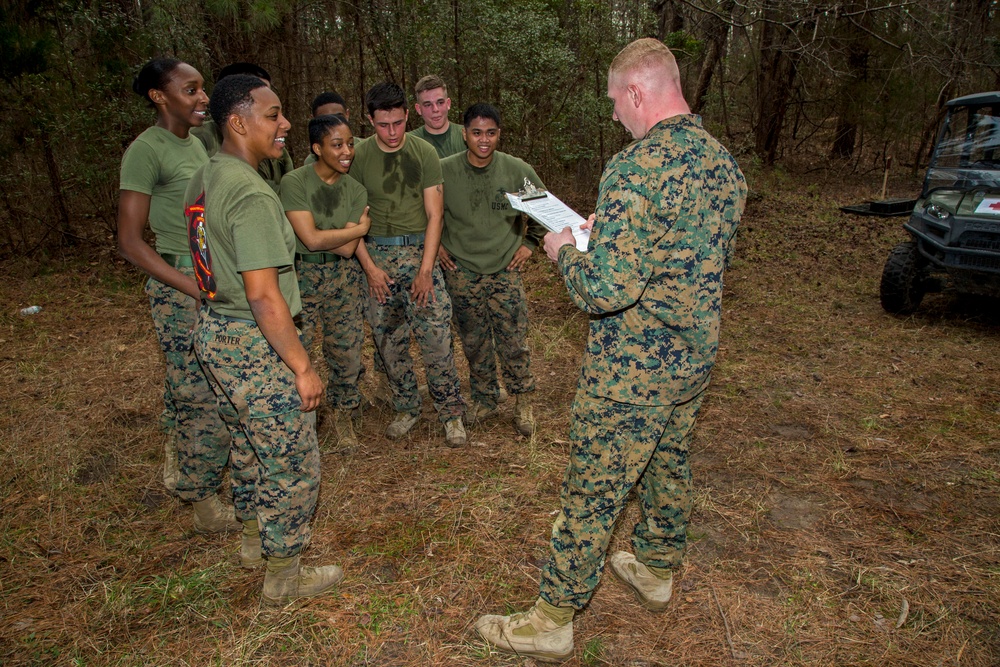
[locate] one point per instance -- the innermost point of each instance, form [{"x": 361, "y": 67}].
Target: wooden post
[{"x": 885, "y": 177}]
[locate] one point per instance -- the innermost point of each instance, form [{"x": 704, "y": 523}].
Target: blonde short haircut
[
  {"x": 430, "y": 82},
  {"x": 645, "y": 55}
]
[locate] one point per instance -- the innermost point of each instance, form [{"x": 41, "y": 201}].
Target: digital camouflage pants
[
  {"x": 394, "y": 321},
  {"x": 197, "y": 448},
  {"x": 615, "y": 447},
  {"x": 491, "y": 312},
  {"x": 333, "y": 299},
  {"x": 275, "y": 459}
]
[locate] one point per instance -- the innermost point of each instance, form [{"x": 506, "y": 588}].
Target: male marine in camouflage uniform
[
  {"x": 666, "y": 218},
  {"x": 399, "y": 257},
  {"x": 484, "y": 245}
]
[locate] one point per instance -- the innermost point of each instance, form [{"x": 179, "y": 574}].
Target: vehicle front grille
[
  {"x": 978, "y": 262},
  {"x": 979, "y": 241}
]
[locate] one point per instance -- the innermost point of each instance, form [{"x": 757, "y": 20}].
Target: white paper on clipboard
[{"x": 554, "y": 215}]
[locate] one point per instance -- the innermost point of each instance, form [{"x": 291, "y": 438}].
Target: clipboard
[{"x": 550, "y": 212}]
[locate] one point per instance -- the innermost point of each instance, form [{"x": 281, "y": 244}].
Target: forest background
[
  {"x": 847, "y": 462},
  {"x": 800, "y": 82}
]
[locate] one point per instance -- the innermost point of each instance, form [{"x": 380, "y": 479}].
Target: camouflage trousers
[
  {"x": 394, "y": 321},
  {"x": 197, "y": 448},
  {"x": 275, "y": 457},
  {"x": 332, "y": 298},
  {"x": 377, "y": 364},
  {"x": 491, "y": 312},
  {"x": 615, "y": 447}
]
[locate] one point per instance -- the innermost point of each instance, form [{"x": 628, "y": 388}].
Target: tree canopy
[{"x": 856, "y": 80}]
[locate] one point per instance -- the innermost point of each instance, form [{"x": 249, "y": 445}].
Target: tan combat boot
[
  {"x": 454, "y": 433},
  {"x": 250, "y": 556},
  {"x": 478, "y": 413},
  {"x": 383, "y": 393},
  {"x": 171, "y": 468},
  {"x": 211, "y": 516},
  {"x": 401, "y": 425},
  {"x": 524, "y": 418},
  {"x": 544, "y": 632},
  {"x": 343, "y": 428},
  {"x": 652, "y": 591},
  {"x": 324, "y": 417},
  {"x": 286, "y": 580}
]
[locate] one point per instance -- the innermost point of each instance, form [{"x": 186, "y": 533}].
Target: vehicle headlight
[{"x": 936, "y": 211}]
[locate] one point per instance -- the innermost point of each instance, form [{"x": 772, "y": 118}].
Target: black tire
[{"x": 903, "y": 278}]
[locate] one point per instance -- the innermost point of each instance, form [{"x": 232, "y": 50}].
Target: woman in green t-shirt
[
  {"x": 155, "y": 171},
  {"x": 328, "y": 211}
]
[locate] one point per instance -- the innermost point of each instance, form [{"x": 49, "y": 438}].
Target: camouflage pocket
[
  {"x": 174, "y": 315},
  {"x": 252, "y": 375},
  {"x": 272, "y": 392}
]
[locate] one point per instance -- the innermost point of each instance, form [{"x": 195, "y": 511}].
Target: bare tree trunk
[
  {"x": 717, "y": 33},
  {"x": 723, "y": 104},
  {"x": 598, "y": 86},
  {"x": 58, "y": 196},
  {"x": 968, "y": 22},
  {"x": 927, "y": 137},
  {"x": 849, "y": 102},
  {"x": 10, "y": 244},
  {"x": 458, "y": 50},
  {"x": 362, "y": 87},
  {"x": 775, "y": 79},
  {"x": 668, "y": 18}
]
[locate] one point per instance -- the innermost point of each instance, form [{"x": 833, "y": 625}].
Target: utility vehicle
[{"x": 955, "y": 225}]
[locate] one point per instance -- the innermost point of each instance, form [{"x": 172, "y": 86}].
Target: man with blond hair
[
  {"x": 433, "y": 105},
  {"x": 651, "y": 281}
]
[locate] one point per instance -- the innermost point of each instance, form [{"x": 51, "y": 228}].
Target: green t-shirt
[
  {"x": 449, "y": 142},
  {"x": 271, "y": 170},
  {"x": 332, "y": 206},
  {"x": 160, "y": 164},
  {"x": 236, "y": 224},
  {"x": 395, "y": 183},
  {"x": 210, "y": 135},
  {"x": 481, "y": 229}
]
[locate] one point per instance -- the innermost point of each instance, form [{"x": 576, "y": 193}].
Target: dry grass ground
[{"x": 847, "y": 466}]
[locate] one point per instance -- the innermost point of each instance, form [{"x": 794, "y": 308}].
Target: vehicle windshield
[{"x": 967, "y": 155}]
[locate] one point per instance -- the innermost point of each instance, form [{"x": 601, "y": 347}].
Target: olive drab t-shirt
[
  {"x": 210, "y": 135},
  {"x": 449, "y": 142},
  {"x": 235, "y": 224},
  {"x": 481, "y": 229},
  {"x": 332, "y": 206},
  {"x": 160, "y": 164},
  {"x": 395, "y": 183}
]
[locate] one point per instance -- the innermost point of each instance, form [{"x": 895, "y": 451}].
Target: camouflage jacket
[{"x": 667, "y": 213}]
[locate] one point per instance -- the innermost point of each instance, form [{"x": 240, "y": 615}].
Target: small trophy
[{"x": 530, "y": 192}]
